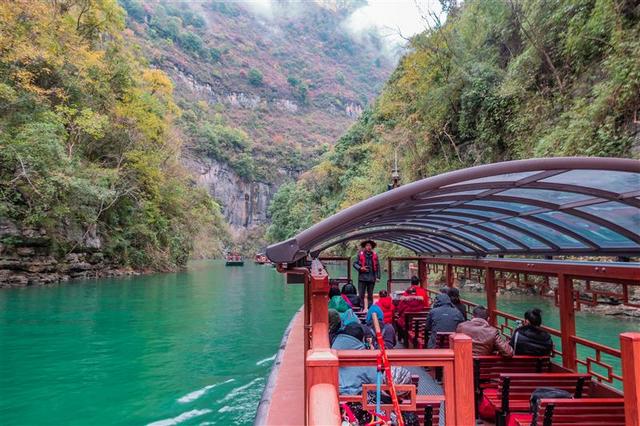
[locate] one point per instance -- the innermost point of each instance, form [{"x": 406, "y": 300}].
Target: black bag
[{"x": 545, "y": 393}]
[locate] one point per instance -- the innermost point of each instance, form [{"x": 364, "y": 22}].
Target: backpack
[{"x": 545, "y": 393}]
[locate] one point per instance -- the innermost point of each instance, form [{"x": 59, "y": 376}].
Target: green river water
[{"x": 190, "y": 348}]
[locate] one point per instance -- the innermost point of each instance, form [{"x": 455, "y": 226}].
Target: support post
[
  {"x": 422, "y": 273},
  {"x": 320, "y": 308},
  {"x": 463, "y": 378},
  {"x": 630, "y": 359},
  {"x": 490, "y": 291},
  {"x": 449, "y": 275},
  {"x": 567, "y": 321},
  {"x": 321, "y": 363},
  {"x": 389, "y": 275}
]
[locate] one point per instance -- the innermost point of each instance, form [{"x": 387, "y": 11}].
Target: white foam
[
  {"x": 225, "y": 409},
  {"x": 181, "y": 418},
  {"x": 237, "y": 391},
  {"x": 264, "y": 361},
  {"x": 192, "y": 396}
]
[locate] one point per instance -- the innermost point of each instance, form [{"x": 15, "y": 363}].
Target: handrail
[{"x": 409, "y": 357}]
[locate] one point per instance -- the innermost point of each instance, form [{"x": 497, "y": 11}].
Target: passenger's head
[
  {"x": 368, "y": 245},
  {"x": 415, "y": 280},
  {"x": 354, "y": 329},
  {"x": 454, "y": 295},
  {"x": 334, "y": 321},
  {"x": 334, "y": 290},
  {"x": 383, "y": 293},
  {"x": 444, "y": 290},
  {"x": 480, "y": 312},
  {"x": 349, "y": 288},
  {"x": 533, "y": 317}
]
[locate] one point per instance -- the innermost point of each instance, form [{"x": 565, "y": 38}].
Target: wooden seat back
[
  {"x": 584, "y": 412},
  {"x": 520, "y": 386},
  {"x": 442, "y": 340},
  {"x": 487, "y": 368}
]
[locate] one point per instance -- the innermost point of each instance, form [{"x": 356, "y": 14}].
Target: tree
[{"x": 255, "y": 77}]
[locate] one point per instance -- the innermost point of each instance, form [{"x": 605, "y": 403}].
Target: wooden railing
[
  {"x": 507, "y": 323},
  {"x": 322, "y": 363}
]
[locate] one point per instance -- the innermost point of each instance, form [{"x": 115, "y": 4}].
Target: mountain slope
[
  {"x": 263, "y": 92},
  {"x": 499, "y": 81},
  {"x": 90, "y": 171}
]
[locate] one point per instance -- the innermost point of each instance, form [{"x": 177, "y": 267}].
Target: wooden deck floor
[{"x": 287, "y": 399}]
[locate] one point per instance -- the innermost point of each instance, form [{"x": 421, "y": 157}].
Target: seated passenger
[
  {"x": 334, "y": 290},
  {"x": 349, "y": 291},
  {"x": 530, "y": 339},
  {"x": 352, "y": 378},
  {"x": 443, "y": 318},
  {"x": 387, "y": 330},
  {"x": 335, "y": 324},
  {"x": 454, "y": 295},
  {"x": 409, "y": 303},
  {"x": 419, "y": 291},
  {"x": 487, "y": 340},
  {"x": 346, "y": 313},
  {"x": 386, "y": 304}
]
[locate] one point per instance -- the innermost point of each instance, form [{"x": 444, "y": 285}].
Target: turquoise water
[{"x": 186, "y": 348}]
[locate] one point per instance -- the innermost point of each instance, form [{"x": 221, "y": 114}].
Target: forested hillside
[
  {"x": 500, "y": 80},
  {"x": 265, "y": 88},
  {"x": 90, "y": 170}
]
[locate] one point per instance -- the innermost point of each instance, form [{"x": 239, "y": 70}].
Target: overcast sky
[{"x": 394, "y": 17}]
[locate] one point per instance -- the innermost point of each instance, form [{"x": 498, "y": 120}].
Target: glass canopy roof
[{"x": 573, "y": 206}]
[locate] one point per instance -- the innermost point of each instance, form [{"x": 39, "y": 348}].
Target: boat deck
[{"x": 286, "y": 405}]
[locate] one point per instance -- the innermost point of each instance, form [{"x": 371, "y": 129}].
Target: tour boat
[
  {"x": 234, "y": 259},
  {"x": 506, "y": 224},
  {"x": 261, "y": 259}
]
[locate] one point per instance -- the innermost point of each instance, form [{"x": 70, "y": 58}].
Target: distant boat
[
  {"x": 234, "y": 259},
  {"x": 261, "y": 259}
]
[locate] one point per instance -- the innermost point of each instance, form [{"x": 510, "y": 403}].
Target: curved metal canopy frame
[{"x": 552, "y": 206}]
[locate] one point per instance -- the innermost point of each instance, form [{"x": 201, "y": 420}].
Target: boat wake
[
  {"x": 192, "y": 396},
  {"x": 181, "y": 418},
  {"x": 266, "y": 360},
  {"x": 237, "y": 391}
]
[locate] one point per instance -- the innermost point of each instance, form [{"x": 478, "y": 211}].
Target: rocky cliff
[
  {"x": 28, "y": 257},
  {"x": 292, "y": 80}
]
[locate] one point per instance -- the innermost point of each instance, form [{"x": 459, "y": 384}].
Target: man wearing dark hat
[{"x": 368, "y": 267}]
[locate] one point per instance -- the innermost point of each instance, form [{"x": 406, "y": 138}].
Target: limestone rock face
[
  {"x": 27, "y": 257},
  {"x": 244, "y": 204}
]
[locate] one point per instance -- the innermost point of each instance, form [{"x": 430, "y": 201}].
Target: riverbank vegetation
[
  {"x": 89, "y": 154},
  {"x": 500, "y": 80}
]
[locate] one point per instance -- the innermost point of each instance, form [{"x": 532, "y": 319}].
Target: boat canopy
[{"x": 550, "y": 206}]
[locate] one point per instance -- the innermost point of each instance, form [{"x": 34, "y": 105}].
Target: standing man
[{"x": 368, "y": 267}]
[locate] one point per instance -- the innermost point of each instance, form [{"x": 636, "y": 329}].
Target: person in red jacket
[
  {"x": 409, "y": 302},
  {"x": 386, "y": 305},
  {"x": 419, "y": 291}
]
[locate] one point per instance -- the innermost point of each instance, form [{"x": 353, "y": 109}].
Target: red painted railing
[{"x": 322, "y": 363}]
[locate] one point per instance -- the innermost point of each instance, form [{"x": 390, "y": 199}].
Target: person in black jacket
[
  {"x": 368, "y": 266},
  {"x": 454, "y": 295},
  {"x": 444, "y": 317},
  {"x": 530, "y": 339},
  {"x": 349, "y": 290}
]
